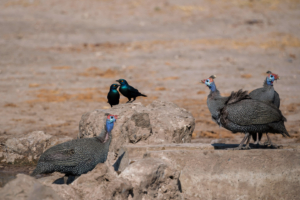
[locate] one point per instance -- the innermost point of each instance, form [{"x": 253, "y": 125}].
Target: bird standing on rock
[
  {"x": 129, "y": 91},
  {"x": 113, "y": 95},
  {"x": 269, "y": 95},
  {"x": 240, "y": 113},
  {"x": 79, "y": 156}
]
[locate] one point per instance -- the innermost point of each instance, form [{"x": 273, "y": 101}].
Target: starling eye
[{"x": 121, "y": 81}]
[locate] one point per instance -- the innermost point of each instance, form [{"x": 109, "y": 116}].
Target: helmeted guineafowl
[
  {"x": 214, "y": 100},
  {"x": 266, "y": 94},
  {"x": 79, "y": 156},
  {"x": 243, "y": 114}
]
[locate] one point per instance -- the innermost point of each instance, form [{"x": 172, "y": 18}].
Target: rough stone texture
[
  {"x": 102, "y": 183},
  {"x": 27, "y": 188},
  {"x": 153, "y": 179},
  {"x": 28, "y": 148},
  {"x": 158, "y": 123},
  {"x": 219, "y": 174},
  {"x": 130, "y": 153},
  {"x": 146, "y": 179}
]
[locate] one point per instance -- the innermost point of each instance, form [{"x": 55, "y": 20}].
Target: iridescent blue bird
[
  {"x": 113, "y": 95},
  {"x": 129, "y": 91}
]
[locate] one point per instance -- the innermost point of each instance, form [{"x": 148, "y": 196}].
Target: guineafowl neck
[
  {"x": 212, "y": 87},
  {"x": 214, "y": 94}
]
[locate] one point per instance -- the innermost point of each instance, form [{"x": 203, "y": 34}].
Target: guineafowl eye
[
  {"x": 207, "y": 80},
  {"x": 111, "y": 117},
  {"x": 271, "y": 76}
]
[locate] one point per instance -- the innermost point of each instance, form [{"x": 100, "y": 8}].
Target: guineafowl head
[
  {"x": 122, "y": 81},
  {"x": 210, "y": 82},
  {"x": 110, "y": 121},
  {"x": 271, "y": 77},
  {"x": 114, "y": 86}
]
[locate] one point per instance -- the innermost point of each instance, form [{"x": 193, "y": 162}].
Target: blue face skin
[
  {"x": 270, "y": 79},
  {"x": 211, "y": 85},
  {"x": 110, "y": 123},
  {"x": 122, "y": 82}
]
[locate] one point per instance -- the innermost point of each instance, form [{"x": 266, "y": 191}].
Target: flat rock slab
[{"x": 207, "y": 173}]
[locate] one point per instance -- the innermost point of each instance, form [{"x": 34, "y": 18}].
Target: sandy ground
[{"x": 59, "y": 58}]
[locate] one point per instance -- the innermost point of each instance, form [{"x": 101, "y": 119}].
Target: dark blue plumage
[
  {"x": 79, "y": 156},
  {"x": 113, "y": 95},
  {"x": 129, "y": 91}
]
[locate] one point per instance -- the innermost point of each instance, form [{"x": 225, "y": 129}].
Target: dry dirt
[{"x": 59, "y": 58}]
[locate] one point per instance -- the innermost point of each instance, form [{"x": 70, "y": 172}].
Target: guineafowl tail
[
  {"x": 285, "y": 133},
  {"x": 280, "y": 128},
  {"x": 38, "y": 170},
  {"x": 34, "y": 173},
  {"x": 237, "y": 96}
]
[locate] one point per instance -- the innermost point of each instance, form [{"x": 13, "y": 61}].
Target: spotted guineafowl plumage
[
  {"x": 79, "y": 156},
  {"x": 243, "y": 114},
  {"x": 269, "y": 95}
]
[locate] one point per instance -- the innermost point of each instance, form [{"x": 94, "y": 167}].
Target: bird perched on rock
[
  {"x": 79, "y": 156},
  {"x": 269, "y": 95},
  {"x": 240, "y": 113},
  {"x": 214, "y": 100},
  {"x": 129, "y": 91},
  {"x": 113, "y": 95}
]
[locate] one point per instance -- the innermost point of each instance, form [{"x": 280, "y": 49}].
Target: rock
[
  {"x": 145, "y": 179},
  {"x": 26, "y": 187},
  {"x": 102, "y": 183},
  {"x": 130, "y": 153},
  {"x": 158, "y": 123},
  {"x": 28, "y": 148},
  {"x": 153, "y": 179},
  {"x": 138, "y": 127},
  {"x": 48, "y": 180},
  {"x": 219, "y": 174}
]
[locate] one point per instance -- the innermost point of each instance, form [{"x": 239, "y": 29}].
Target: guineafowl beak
[
  {"x": 276, "y": 77},
  {"x": 203, "y": 81},
  {"x": 116, "y": 117}
]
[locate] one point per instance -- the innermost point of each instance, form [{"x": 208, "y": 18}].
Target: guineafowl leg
[
  {"x": 65, "y": 179},
  {"x": 247, "y": 147},
  {"x": 269, "y": 142},
  {"x": 240, "y": 147}
]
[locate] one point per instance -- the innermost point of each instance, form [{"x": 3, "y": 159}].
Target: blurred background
[{"x": 59, "y": 58}]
